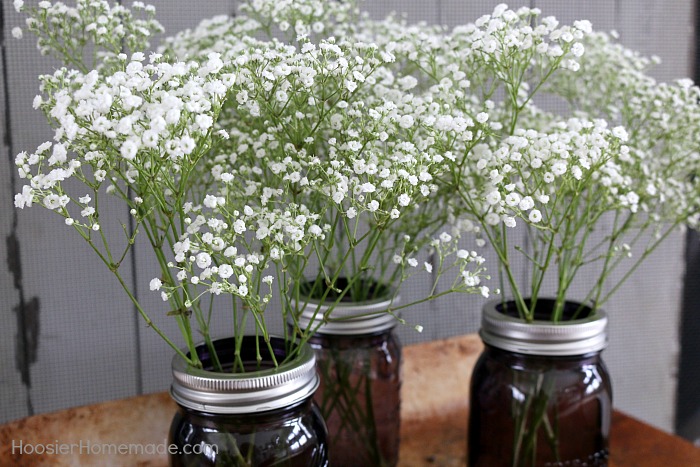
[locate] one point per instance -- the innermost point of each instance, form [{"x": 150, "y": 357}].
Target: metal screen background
[{"x": 68, "y": 332}]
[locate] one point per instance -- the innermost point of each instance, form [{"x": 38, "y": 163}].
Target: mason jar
[
  {"x": 358, "y": 356},
  {"x": 540, "y": 392},
  {"x": 265, "y": 416}
]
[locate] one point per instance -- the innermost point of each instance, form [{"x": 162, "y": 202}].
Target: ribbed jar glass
[
  {"x": 540, "y": 392},
  {"x": 262, "y": 417},
  {"x": 359, "y": 361}
]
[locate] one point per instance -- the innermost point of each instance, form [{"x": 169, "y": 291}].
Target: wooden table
[{"x": 433, "y": 432}]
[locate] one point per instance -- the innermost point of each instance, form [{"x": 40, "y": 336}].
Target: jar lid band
[
  {"x": 246, "y": 392},
  {"x": 346, "y": 318},
  {"x": 566, "y": 338}
]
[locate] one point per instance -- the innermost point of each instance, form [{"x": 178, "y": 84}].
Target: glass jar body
[
  {"x": 529, "y": 410},
  {"x": 359, "y": 396},
  {"x": 293, "y": 436}
]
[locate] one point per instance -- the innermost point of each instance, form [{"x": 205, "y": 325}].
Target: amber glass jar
[
  {"x": 257, "y": 418},
  {"x": 359, "y": 362},
  {"x": 540, "y": 392}
]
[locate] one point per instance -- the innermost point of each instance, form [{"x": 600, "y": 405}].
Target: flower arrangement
[
  {"x": 303, "y": 150},
  {"x": 611, "y": 177},
  {"x": 253, "y": 166},
  {"x": 322, "y": 167}
]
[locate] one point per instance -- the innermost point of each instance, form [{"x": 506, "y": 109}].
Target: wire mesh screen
[{"x": 71, "y": 331}]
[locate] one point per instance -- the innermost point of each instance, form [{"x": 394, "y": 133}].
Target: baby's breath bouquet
[
  {"x": 254, "y": 166},
  {"x": 606, "y": 178}
]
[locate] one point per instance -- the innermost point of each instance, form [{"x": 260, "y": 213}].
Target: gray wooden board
[
  {"x": 14, "y": 396},
  {"x": 644, "y": 314},
  {"x": 85, "y": 326},
  {"x": 665, "y": 29}
]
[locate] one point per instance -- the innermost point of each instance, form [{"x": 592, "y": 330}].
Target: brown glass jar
[
  {"x": 256, "y": 418},
  {"x": 540, "y": 393},
  {"x": 359, "y": 362}
]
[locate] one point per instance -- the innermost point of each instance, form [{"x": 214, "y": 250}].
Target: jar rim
[
  {"x": 256, "y": 391},
  {"x": 539, "y": 337},
  {"x": 347, "y": 318}
]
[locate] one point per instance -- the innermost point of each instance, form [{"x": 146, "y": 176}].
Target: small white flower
[
  {"x": 315, "y": 230},
  {"x": 155, "y": 284},
  {"x": 225, "y": 271},
  {"x": 512, "y": 199},
  {"x": 413, "y": 262},
  {"x": 577, "y": 172},
  {"x": 211, "y": 201},
  {"x": 493, "y": 197},
  {"x": 406, "y": 121},
  {"x": 577, "y": 49},
  {"x": 25, "y": 198},
  {"x": 373, "y": 205},
  {"x": 484, "y": 291},
  {"x": 51, "y": 201},
  {"x": 584, "y": 25},
  {"x": 620, "y": 133},
  {"x": 535, "y": 216},
  {"x": 17, "y": 32},
  {"x": 492, "y": 219},
  {"x": 203, "y": 260},
  {"x": 526, "y": 203},
  {"x": 559, "y": 168},
  {"x": 368, "y": 188},
  {"x": 129, "y": 149},
  {"x": 404, "y": 199}
]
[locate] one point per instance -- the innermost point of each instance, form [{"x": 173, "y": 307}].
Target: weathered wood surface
[{"x": 434, "y": 416}]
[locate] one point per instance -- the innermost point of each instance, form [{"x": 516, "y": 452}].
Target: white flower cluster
[
  {"x": 531, "y": 171},
  {"x": 662, "y": 153},
  {"x": 630, "y": 153},
  {"x": 333, "y": 129},
  {"x": 339, "y": 154},
  {"x": 91, "y": 28},
  {"x": 138, "y": 127},
  {"x": 359, "y": 159}
]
